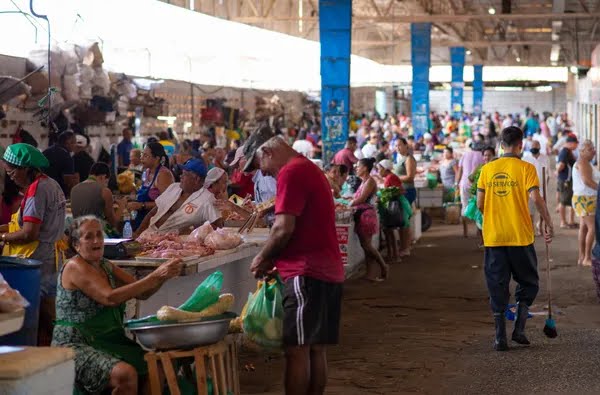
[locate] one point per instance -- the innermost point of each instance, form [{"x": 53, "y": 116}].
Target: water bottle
[{"x": 127, "y": 229}]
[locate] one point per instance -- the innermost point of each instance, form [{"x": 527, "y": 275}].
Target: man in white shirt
[
  {"x": 539, "y": 161},
  {"x": 543, "y": 140},
  {"x": 183, "y": 205},
  {"x": 370, "y": 149}
]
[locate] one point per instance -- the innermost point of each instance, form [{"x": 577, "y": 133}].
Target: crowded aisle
[{"x": 326, "y": 197}]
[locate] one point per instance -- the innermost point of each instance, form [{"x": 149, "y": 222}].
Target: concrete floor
[{"x": 428, "y": 329}]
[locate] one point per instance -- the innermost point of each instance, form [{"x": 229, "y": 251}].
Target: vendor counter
[{"x": 234, "y": 264}]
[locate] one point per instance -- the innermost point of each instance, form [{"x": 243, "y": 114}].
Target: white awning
[{"x": 149, "y": 38}]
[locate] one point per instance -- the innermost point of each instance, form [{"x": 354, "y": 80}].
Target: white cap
[
  {"x": 386, "y": 164},
  {"x": 427, "y": 136},
  {"x": 213, "y": 176}
]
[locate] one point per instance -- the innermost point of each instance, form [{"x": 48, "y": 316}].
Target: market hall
[{"x": 299, "y": 197}]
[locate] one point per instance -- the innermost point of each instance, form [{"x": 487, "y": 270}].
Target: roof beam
[
  {"x": 460, "y": 18},
  {"x": 466, "y": 44}
]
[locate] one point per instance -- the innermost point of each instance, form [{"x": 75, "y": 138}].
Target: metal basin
[{"x": 182, "y": 335}]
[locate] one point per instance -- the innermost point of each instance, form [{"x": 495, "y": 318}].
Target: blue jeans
[{"x": 410, "y": 195}]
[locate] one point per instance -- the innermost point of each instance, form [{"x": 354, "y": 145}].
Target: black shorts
[
  {"x": 311, "y": 311},
  {"x": 565, "y": 190}
]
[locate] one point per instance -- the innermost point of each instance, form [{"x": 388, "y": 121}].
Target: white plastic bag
[
  {"x": 223, "y": 240},
  {"x": 199, "y": 234}
]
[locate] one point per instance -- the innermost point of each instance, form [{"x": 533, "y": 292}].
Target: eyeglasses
[{"x": 12, "y": 171}]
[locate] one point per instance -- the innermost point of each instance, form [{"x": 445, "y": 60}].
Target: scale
[{"x": 121, "y": 248}]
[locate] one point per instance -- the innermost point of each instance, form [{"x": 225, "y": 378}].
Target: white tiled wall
[{"x": 506, "y": 102}]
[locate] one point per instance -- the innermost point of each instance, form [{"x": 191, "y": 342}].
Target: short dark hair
[
  {"x": 352, "y": 139},
  {"x": 368, "y": 163},
  {"x": 511, "y": 136},
  {"x": 65, "y": 136},
  {"x": 449, "y": 149},
  {"x": 489, "y": 148},
  {"x": 100, "y": 169},
  {"x": 343, "y": 169}
]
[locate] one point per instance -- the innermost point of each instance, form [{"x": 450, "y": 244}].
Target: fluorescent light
[
  {"x": 166, "y": 118},
  {"x": 544, "y": 88},
  {"x": 492, "y": 11}
]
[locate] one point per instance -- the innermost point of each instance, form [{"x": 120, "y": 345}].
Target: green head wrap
[{"x": 25, "y": 155}]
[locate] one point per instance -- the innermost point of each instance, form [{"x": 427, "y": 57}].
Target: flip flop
[{"x": 374, "y": 280}]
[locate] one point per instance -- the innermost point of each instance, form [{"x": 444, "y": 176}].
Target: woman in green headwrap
[{"x": 41, "y": 223}]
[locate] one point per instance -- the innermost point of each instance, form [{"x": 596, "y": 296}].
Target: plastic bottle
[{"x": 127, "y": 229}]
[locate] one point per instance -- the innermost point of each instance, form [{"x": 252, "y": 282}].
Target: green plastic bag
[
  {"x": 406, "y": 212},
  {"x": 432, "y": 180},
  {"x": 471, "y": 210},
  {"x": 263, "y": 322},
  {"x": 206, "y": 294}
]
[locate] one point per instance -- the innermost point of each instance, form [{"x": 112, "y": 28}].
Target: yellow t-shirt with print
[{"x": 507, "y": 182}]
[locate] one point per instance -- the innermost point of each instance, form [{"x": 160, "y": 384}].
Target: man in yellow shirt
[{"x": 503, "y": 193}]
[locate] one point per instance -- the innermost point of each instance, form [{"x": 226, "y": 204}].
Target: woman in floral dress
[{"x": 90, "y": 302}]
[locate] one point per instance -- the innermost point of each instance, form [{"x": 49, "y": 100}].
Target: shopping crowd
[{"x": 184, "y": 184}]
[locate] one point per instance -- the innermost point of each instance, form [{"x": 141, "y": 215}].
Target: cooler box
[{"x": 23, "y": 275}]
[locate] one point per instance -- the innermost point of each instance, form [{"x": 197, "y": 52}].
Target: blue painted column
[
  {"x": 420, "y": 54},
  {"x": 335, "y": 29},
  {"x": 457, "y": 60},
  {"x": 477, "y": 89}
]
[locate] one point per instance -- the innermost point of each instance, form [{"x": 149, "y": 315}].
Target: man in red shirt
[
  {"x": 303, "y": 247},
  {"x": 346, "y": 156}
]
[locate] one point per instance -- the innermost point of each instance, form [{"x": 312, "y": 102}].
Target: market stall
[{"x": 233, "y": 263}]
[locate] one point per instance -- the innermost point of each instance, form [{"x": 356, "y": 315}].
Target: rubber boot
[
  {"x": 518, "y": 335},
  {"x": 500, "y": 342}
]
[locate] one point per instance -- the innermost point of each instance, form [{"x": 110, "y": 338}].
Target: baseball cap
[
  {"x": 386, "y": 164},
  {"x": 196, "y": 166},
  {"x": 254, "y": 142},
  {"x": 239, "y": 153}
]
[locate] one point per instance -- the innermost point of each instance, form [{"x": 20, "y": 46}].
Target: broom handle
[{"x": 547, "y": 249}]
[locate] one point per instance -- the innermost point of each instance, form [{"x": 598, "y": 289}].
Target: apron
[
  {"x": 26, "y": 250},
  {"x": 18, "y": 250},
  {"x": 143, "y": 196},
  {"x": 105, "y": 332}
]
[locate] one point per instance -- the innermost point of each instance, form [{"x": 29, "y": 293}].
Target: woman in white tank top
[{"x": 585, "y": 184}]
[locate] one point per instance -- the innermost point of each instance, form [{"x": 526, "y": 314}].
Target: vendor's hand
[
  {"x": 122, "y": 203},
  {"x": 134, "y": 206},
  {"x": 261, "y": 267},
  {"x": 169, "y": 269}
]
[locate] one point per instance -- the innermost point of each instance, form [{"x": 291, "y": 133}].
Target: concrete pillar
[
  {"x": 420, "y": 53},
  {"x": 335, "y": 29}
]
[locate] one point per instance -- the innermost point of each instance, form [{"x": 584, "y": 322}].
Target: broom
[{"x": 550, "y": 326}]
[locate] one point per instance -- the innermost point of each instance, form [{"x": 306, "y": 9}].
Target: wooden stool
[{"x": 220, "y": 360}]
